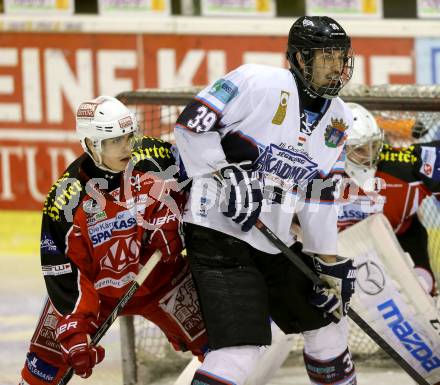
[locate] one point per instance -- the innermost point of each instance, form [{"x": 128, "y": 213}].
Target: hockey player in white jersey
[{"x": 264, "y": 142}]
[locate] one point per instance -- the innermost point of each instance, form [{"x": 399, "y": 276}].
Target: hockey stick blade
[
  {"x": 138, "y": 281},
  {"x": 309, "y": 273}
]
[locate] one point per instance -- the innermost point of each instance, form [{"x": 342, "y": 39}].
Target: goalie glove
[
  {"x": 338, "y": 285},
  {"x": 73, "y": 334},
  {"x": 242, "y": 195}
]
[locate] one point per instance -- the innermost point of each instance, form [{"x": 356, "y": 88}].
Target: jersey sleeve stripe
[{"x": 208, "y": 104}]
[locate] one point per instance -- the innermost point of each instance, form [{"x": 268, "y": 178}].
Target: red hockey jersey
[{"x": 95, "y": 230}]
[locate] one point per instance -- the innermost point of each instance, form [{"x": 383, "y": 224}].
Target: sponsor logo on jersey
[
  {"x": 183, "y": 306},
  {"x": 55, "y": 270},
  {"x": 361, "y": 208},
  {"x": 160, "y": 221},
  {"x": 47, "y": 245},
  {"x": 370, "y": 278},
  {"x": 287, "y": 168},
  {"x": 118, "y": 283},
  {"x": 103, "y": 231},
  {"x": 404, "y": 154},
  {"x": 409, "y": 338},
  {"x": 155, "y": 151},
  {"x": 40, "y": 369},
  {"x": 67, "y": 192},
  {"x": 122, "y": 253},
  {"x": 223, "y": 90},
  {"x": 430, "y": 157},
  {"x": 96, "y": 218},
  {"x": 280, "y": 113},
  {"x": 334, "y": 135}
]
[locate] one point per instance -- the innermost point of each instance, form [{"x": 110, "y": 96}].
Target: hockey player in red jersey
[
  {"x": 391, "y": 180},
  {"x": 104, "y": 217}
]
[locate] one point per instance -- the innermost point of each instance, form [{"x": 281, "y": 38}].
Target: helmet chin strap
[{"x": 99, "y": 164}]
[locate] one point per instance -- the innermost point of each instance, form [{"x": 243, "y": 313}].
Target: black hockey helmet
[{"x": 309, "y": 34}]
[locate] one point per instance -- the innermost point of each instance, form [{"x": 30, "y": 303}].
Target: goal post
[{"x": 400, "y": 111}]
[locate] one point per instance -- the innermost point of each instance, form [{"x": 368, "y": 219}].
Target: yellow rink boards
[{"x": 20, "y": 232}]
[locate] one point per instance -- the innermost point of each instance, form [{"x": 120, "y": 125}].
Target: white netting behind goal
[{"x": 407, "y": 113}]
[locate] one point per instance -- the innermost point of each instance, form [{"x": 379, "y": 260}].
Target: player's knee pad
[
  {"x": 227, "y": 366},
  {"x": 337, "y": 370}
]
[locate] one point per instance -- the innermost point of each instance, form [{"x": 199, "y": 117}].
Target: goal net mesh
[{"x": 407, "y": 113}]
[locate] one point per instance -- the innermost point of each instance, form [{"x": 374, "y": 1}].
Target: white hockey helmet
[
  {"x": 364, "y": 144},
  {"x": 103, "y": 118}
]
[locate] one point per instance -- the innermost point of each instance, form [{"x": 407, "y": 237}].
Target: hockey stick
[
  {"x": 309, "y": 273},
  {"x": 138, "y": 281}
]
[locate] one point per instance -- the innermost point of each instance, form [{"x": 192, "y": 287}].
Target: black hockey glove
[
  {"x": 241, "y": 195},
  {"x": 339, "y": 278}
]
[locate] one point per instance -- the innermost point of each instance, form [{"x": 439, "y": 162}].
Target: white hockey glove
[
  {"x": 339, "y": 279},
  {"x": 242, "y": 196}
]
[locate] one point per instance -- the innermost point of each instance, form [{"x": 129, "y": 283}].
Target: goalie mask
[
  {"x": 363, "y": 146},
  {"x": 105, "y": 118},
  {"x": 325, "y": 61}
]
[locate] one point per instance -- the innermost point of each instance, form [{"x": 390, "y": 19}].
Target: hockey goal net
[{"x": 407, "y": 113}]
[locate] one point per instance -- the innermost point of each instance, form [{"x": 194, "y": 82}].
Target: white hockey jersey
[{"x": 254, "y": 113}]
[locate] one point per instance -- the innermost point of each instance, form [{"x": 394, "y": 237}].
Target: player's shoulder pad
[
  {"x": 152, "y": 154},
  {"x": 66, "y": 193},
  {"x": 264, "y": 75}
]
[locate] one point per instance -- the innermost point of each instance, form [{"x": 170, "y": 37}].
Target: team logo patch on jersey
[
  {"x": 280, "y": 114},
  {"x": 334, "y": 135},
  {"x": 223, "y": 90},
  {"x": 47, "y": 245},
  {"x": 285, "y": 167},
  {"x": 120, "y": 255}
]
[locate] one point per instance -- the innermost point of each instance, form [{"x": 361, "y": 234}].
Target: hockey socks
[{"x": 339, "y": 370}]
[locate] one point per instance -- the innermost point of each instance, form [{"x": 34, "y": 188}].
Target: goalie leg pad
[
  {"x": 338, "y": 370},
  {"x": 227, "y": 366},
  {"x": 231, "y": 289}
]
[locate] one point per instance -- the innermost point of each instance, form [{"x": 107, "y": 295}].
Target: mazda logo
[{"x": 370, "y": 278}]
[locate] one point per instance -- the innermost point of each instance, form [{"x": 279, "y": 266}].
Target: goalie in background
[
  {"x": 106, "y": 215},
  {"x": 394, "y": 181}
]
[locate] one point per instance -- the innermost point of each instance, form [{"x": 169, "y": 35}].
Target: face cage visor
[
  {"x": 365, "y": 154},
  {"x": 327, "y": 70}
]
